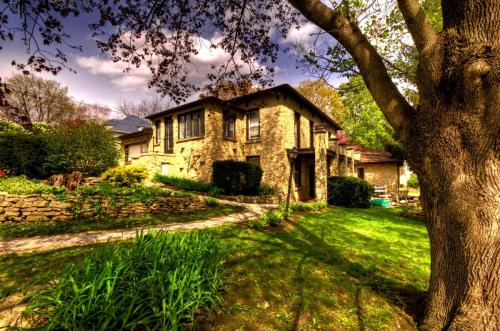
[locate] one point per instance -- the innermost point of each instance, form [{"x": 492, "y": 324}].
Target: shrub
[
  {"x": 159, "y": 282},
  {"x": 183, "y": 183},
  {"x": 87, "y": 147},
  {"x": 308, "y": 206},
  {"x": 23, "y": 185},
  {"x": 211, "y": 202},
  {"x": 237, "y": 177},
  {"x": 125, "y": 175},
  {"x": 23, "y": 154},
  {"x": 258, "y": 223},
  {"x": 265, "y": 190},
  {"x": 413, "y": 181},
  {"x": 349, "y": 192}
]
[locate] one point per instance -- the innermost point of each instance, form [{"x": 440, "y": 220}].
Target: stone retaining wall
[{"x": 46, "y": 207}]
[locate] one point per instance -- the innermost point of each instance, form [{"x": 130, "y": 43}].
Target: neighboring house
[
  {"x": 268, "y": 127},
  {"x": 129, "y": 124},
  {"x": 379, "y": 168}
]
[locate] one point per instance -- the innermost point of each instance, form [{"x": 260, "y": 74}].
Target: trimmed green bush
[
  {"x": 87, "y": 147},
  {"x": 23, "y": 154},
  {"x": 125, "y": 175},
  {"x": 351, "y": 192},
  {"x": 237, "y": 177},
  {"x": 413, "y": 181},
  {"x": 211, "y": 202},
  {"x": 159, "y": 282},
  {"x": 183, "y": 183},
  {"x": 23, "y": 185}
]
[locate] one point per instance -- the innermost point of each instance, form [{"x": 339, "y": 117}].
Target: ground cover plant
[
  {"x": 160, "y": 281},
  {"x": 276, "y": 216},
  {"x": 45, "y": 228},
  {"x": 337, "y": 269},
  {"x": 24, "y": 185}
]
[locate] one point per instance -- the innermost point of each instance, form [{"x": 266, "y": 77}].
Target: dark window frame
[
  {"x": 229, "y": 118},
  {"x": 191, "y": 124},
  {"x": 361, "y": 171},
  {"x": 157, "y": 132},
  {"x": 296, "y": 124},
  {"x": 311, "y": 133},
  {"x": 255, "y": 157},
  {"x": 249, "y": 138},
  {"x": 169, "y": 134}
]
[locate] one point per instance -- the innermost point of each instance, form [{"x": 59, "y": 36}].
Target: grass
[
  {"x": 339, "y": 269},
  {"x": 37, "y": 228},
  {"x": 159, "y": 281}
]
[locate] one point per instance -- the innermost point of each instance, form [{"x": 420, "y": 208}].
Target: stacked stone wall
[{"x": 47, "y": 207}]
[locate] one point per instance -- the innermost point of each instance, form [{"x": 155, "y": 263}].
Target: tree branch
[
  {"x": 422, "y": 33},
  {"x": 371, "y": 65}
]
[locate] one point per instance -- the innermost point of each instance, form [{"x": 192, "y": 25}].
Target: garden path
[{"x": 43, "y": 243}]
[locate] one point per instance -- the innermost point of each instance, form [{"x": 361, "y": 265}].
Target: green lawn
[
  {"x": 342, "y": 269},
  {"x": 16, "y": 230}
]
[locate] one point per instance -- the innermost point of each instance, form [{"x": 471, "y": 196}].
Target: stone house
[
  {"x": 379, "y": 168},
  {"x": 277, "y": 128}
]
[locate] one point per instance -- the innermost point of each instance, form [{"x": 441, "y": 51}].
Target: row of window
[{"x": 192, "y": 125}]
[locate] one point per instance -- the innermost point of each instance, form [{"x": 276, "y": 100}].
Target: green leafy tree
[{"x": 365, "y": 123}]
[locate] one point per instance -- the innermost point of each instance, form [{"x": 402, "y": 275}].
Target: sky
[{"x": 99, "y": 80}]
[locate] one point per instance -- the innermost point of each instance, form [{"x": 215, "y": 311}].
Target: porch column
[{"x": 320, "y": 163}]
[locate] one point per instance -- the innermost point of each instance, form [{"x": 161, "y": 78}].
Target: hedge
[
  {"x": 349, "y": 192},
  {"x": 237, "y": 177}
]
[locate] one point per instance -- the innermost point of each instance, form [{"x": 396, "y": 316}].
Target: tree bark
[{"x": 452, "y": 140}]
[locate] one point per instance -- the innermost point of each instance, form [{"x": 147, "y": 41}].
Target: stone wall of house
[
  {"x": 47, "y": 207},
  {"x": 382, "y": 174}
]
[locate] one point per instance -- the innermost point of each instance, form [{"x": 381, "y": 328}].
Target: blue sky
[{"x": 100, "y": 80}]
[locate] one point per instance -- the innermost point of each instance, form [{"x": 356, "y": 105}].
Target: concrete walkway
[{"x": 43, "y": 243}]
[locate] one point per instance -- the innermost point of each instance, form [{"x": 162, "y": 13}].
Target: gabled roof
[
  {"x": 286, "y": 88},
  {"x": 128, "y": 124},
  {"x": 294, "y": 93},
  {"x": 373, "y": 156}
]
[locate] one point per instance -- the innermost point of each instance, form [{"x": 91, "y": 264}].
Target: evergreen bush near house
[
  {"x": 87, "y": 147},
  {"x": 349, "y": 192},
  {"x": 413, "y": 181},
  {"x": 23, "y": 153},
  {"x": 125, "y": 175},
  {"x": 237, "y": 177},
  {"x": 159, "y": 282}
]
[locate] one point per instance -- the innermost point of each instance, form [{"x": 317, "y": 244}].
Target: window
[
  {"x": 361, "y": 173},
  {"x": 192, "y": 124},
  {"x": 229, "y": 125},
  {"x": 253, "y": 124},
  {"x": 311, "y": 134},
  {"x": 169, "y": 135},
  {"x": 297, "y": 130},
  {"x": 157, "y": 132},
  {"x": 298, "y": 173},
  {"x": 144, "y": 148},
  {"x": 254, "y": 159}
]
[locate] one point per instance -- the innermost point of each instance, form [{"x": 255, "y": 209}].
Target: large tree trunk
[{"x": 454, "y": 146}]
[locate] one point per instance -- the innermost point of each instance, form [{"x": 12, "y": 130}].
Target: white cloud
[{"x": 303, "y": 35}]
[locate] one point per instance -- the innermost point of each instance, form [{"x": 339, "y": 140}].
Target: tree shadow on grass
[{"x": 310, "y": 246}]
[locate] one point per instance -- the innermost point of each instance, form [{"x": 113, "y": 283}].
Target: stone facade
[
  {"x": 47, "y": 207},
  {"x": 279, "y": 110},
  {"x": 382, "y": 174}
]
